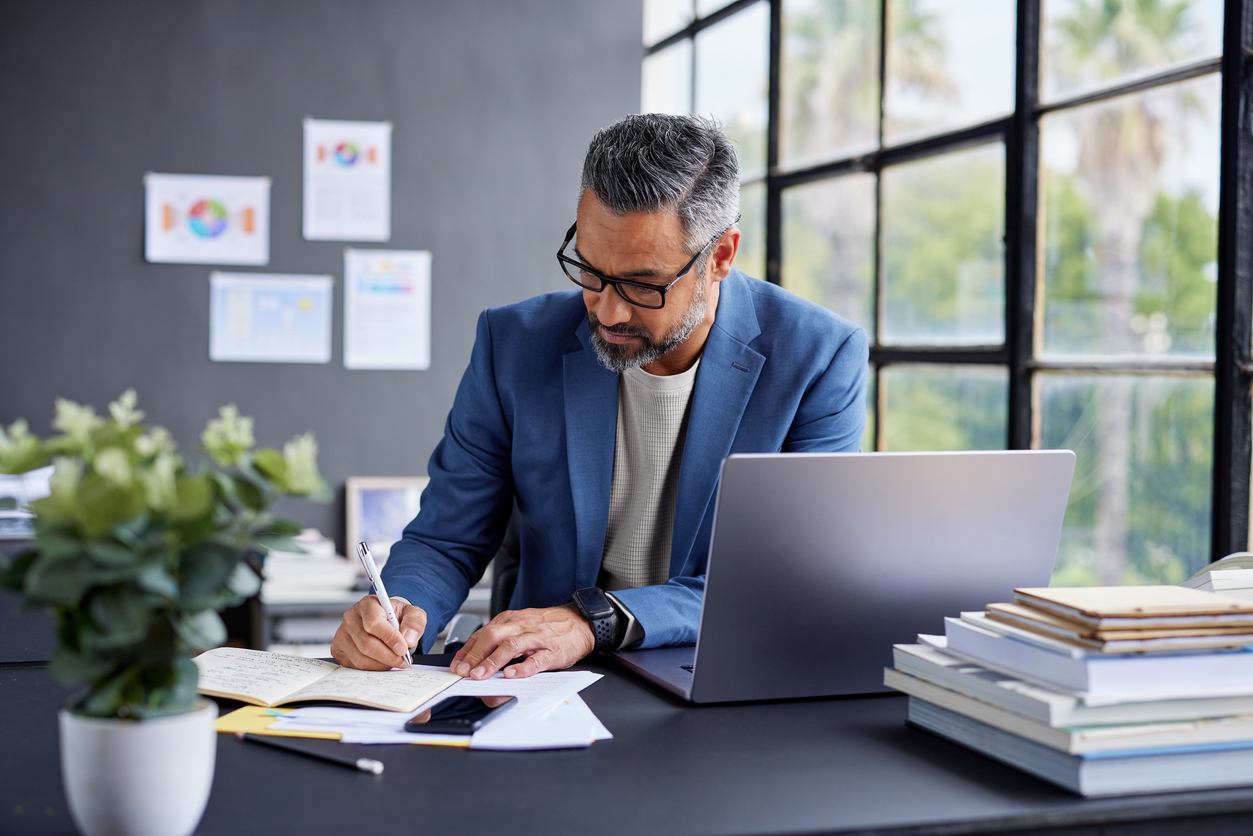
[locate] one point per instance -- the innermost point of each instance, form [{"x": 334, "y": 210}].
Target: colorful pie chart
[
  {"x": 207, "y": 218},
  {"x": 346, "y": 154}
]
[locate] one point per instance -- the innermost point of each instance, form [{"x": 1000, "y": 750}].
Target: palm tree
[{"x": 1122, "y": 150}]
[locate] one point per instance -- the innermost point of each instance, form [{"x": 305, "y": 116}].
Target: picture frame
[{"x": 377, "y": 509}]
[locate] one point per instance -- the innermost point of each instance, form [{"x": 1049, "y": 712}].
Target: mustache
[{"x": 619, "y": 330}]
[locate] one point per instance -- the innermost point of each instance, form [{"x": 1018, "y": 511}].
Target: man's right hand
[{"x": 365, "y": 640}]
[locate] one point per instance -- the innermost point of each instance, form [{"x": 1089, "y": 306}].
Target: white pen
[{"x": 380, "y": 592}]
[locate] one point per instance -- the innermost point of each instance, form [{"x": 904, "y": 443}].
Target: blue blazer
[{"x": 534, "y": 422}]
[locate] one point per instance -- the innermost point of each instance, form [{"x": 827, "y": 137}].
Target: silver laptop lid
[{"x": 820, "y": 562}]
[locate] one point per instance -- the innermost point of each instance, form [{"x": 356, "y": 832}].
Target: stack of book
[{"x": 1101, "y": 690}]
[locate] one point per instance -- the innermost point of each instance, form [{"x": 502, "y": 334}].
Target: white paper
[
  {"x": 568, "y": 725},
  {"x": 549, "y": 715},
  {"x": 270, "y": 318},
  {"x": 387, "y": 309},
  {"x": 536, "y": 694},
  {"x": 347, "y": 182},
  {"x": 205, "y": 219}
]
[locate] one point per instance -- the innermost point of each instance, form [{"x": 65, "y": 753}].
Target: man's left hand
[{"x": 550, "y": 638}]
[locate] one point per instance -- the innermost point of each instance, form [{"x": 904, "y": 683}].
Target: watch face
[{"x": 594, "y": 603}]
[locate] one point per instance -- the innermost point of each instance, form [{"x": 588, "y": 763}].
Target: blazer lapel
[
  {"x": 591, "y": 406},
  {"x": 728, "y": 373}
]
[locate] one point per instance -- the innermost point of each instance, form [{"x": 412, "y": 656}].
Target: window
[{"x": 1032, "y": 206}]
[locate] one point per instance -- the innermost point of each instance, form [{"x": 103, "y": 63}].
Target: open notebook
[{"x": 270, "y": 679}]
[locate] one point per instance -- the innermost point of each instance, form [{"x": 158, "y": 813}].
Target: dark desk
[{"x": 818, "y": 766}]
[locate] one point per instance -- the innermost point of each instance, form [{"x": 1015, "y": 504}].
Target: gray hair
[{"x": 654, "y": 162}]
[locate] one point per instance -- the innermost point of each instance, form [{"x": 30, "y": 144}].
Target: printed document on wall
[
  {"x": 348, "y": 176},
  {"x": 269, "y": 318},
  {"x": 387, "y": 309},
  {"x": 206, "y": 219}
]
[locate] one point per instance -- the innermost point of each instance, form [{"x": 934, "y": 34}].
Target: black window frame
[{"x": 1232, "y": 367}]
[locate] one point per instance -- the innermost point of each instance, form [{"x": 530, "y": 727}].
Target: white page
[
  {"x": 347, "y": 180},
  {"x": 205, "y": 219},
  {"x": 599, "y": 730},
  {"x": 267, "y": 676},
  {"x": 357, "y": 725},
  {"x": 387, "y": 309},
  {"x": 394, "y": 687},
  {"x": 528, "y": 725},
  {"x": 536, "y": 694},
  {"x": 269, "y": 318},
  {"x": 569, "y": 725}
]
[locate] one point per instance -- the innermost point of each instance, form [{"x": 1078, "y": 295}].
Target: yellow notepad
[{"x": 271, "y": 679}]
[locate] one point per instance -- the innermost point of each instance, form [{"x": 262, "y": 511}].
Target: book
[
  {"x": 1051, "y": 706},
  {"x": 1120, "y": 640},
  {"x": 1110, "y": 607},
  {"x": 268, "y": 679},
  {"x": 1171, "y": 770},
  {"x": 1052, "y": 663},
  {"x": 1231, "y": 574},
  {"x": 1125, "y": 738}
]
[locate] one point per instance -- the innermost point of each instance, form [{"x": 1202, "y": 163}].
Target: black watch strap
[{"x": 601, "y": 614}]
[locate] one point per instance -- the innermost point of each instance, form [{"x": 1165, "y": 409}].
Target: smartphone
[{"x": 459, "y": 715}]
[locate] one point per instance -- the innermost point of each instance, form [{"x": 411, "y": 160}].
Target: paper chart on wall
[
  {"x": 206, "y": 219},
  {"x": 347, "y": 180},
  {"x": 270, "y": 318},
  {"x": 387, "y": 309}
]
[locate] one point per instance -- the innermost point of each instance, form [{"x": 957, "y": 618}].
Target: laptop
[{"x": 820, "y": 562}]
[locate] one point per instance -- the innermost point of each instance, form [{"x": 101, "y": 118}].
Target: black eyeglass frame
[{"x": 564, "y": 259}]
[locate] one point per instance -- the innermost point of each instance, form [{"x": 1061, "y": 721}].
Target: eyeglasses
[{"x": 640, "y": 294}]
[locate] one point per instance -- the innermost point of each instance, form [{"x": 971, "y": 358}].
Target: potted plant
[{"x": 135, "y": 553}]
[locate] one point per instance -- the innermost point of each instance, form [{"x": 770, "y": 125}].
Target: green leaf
[
  {"x": 101, "y": 504},
  {"x": 107, "y": 698},
  {"x": 203, "y": 572},
  {"x": 59, "y": 580},
  {"x": 121, "y": 617},
  {"x": 112, "y": 554},
  {"x": 201, "y": 630},
  {"x": 244, "y": 582},
  {"x": 73, "y": 668},
  {"x": 133, "y": 532},
  {"x": 195, "y": 498},
  {"x": 13, "y": 572},
  {"x": 282, "y": 528},
  {"x": 250, "y": 494},
  {"x": 185, "y": 676},
  {"x": 174, "y": 691},
  {"x": 153, "y": 577},
  {"x": 57, "y": 543},
  {"x": 272, "y": 464},
  {"x": 280, "y": 544}
]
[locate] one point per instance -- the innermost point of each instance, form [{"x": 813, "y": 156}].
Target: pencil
[{"x": 364, "y": 764}]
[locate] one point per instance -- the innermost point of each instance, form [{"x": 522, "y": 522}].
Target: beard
[{"x": 619, "y": 358}]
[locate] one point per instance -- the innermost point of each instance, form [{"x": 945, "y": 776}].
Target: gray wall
[{"x": 493, "y": 104}]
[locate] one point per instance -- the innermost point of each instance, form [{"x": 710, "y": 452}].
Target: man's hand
[
  {"x": 550, "y": 638},
  {"x": 366, "y": 641}
]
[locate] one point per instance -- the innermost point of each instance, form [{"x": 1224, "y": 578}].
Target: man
[{"x": 605, "y": 413}]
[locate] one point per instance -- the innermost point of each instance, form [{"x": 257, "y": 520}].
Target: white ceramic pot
[{"x": 139, "y": 778}]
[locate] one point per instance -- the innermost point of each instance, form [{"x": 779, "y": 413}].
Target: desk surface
[{"x": 814, "y": 766}]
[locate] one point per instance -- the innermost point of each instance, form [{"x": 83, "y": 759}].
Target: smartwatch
[{"x": 600, "y": 612}]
